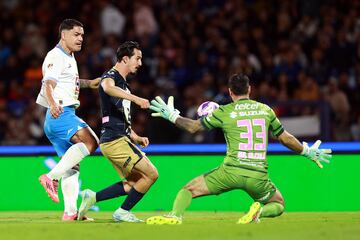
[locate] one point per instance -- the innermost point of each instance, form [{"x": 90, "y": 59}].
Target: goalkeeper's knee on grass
[{"x": 272, "y": 209}]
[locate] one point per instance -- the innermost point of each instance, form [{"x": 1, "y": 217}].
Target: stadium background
[{"x": 302, "y": 56}]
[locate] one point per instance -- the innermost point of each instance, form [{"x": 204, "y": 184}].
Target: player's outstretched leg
[
  {"x": 195, "y": 188},
  {"x": 253, "y": 215},
  {"x": 88, "y": 200},
  {"x": 181, "y": 203},
  {"x": 143, "y": 176}
]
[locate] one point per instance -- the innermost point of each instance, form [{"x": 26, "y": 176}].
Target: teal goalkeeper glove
[
  {"x": 161, "y": 109},
  {"x": 315, "y": 154}
]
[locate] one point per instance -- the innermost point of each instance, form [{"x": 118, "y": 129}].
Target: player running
[
  {"x": 245, "y": 124},
  {"x": 71, "y": 137},
  {"x": 117, "y": 141}
]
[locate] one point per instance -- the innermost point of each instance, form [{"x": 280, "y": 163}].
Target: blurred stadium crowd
[{"x": 292, "y": 50}]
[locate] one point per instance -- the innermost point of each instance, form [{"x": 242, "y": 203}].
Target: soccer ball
[{"x": 206, "y": 108}]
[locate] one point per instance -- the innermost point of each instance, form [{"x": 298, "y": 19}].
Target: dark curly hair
[{"x": 126, "y": 49}]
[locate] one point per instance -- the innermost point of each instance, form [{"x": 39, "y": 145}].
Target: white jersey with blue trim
[{"x": 61, "y": 67}]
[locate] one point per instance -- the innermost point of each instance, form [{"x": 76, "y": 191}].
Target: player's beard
[{"x": 135, "y": 71}]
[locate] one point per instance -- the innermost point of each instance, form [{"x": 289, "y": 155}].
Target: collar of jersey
[
  {"x": 119, "y": 74},
  {"x": 63, "y": 50},
  {"x": 115, "y": 70},
  {"x": 127, "y": 84},
  {"x": 242, "y": 99}
]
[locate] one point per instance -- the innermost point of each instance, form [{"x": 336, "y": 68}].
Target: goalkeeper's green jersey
[{"x": 246, "y": 125}]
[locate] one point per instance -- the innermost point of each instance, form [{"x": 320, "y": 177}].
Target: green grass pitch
[{"x": 196, "y": 225}]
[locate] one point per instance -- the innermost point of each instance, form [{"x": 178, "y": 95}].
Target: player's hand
[
  {"x": 142, "y": 102},
  {"x": 315, "y": 154},
  {"x": 161, "y": 109},
  {"x": 56, "y": 110},
  {"x": 142, "y": 141},
  {"x": 94, "y": 83}
]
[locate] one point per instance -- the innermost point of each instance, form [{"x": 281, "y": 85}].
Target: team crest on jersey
[{"x": 105, "y": 119}]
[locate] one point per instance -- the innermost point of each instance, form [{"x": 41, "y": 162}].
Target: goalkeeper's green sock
[
  {"x": 272, "y": 209},
  {"x": 182, "y": 202}
]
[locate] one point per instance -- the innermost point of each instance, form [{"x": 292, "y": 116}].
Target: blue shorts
[{"x": 60, "y": 130}]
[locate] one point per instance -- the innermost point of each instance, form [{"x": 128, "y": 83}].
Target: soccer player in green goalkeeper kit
[{"x": 246, "y": 125}]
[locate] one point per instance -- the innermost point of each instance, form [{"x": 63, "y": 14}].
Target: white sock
[
  {"x": 70, "y": 190},
  {"x": 71, "y": 157}
]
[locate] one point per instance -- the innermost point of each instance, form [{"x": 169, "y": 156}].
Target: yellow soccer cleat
[
  {"x": 253, "y": 215},
  {"x": 164, "y": 220}
]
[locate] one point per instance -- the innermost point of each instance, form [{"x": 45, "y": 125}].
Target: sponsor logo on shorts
[{"x": 264, "y": 197}]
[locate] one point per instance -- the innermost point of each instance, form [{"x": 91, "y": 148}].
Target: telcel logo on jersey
[{"x": 246, "y": 106}]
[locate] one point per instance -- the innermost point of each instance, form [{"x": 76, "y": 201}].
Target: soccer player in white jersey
[{"x": 71, "y": 137}]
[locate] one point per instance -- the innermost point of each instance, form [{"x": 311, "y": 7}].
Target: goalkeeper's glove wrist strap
[
  {"x": 173, "y": 116},
  {"x": 305, "y": 150}
]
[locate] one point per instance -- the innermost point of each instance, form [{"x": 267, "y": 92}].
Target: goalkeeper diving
[{"x": 246, "y": 125}]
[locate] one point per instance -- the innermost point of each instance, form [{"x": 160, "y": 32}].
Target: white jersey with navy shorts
[{"x": 61, "y": 67}]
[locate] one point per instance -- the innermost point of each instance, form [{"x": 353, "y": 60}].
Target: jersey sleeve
[
  {"x": 118, "y": 102},
  {"x": 114, "y": 100},
  {"x": 276, "y": 128},
  {"x": 53, "y": 66},
  {"x": 213, "y": 120}
]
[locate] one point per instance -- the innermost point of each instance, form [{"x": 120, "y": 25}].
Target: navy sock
[
  {"x": 132, "y": 199},
  {"x": 112, "y": 191}
]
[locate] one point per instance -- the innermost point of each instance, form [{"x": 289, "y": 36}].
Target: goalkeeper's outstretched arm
[
  {"x": 192, "y": 126},
  {"x": 290, "y": 142},
  {"x": 313, "y": 153},
  {"x": 168, "y": 112}
]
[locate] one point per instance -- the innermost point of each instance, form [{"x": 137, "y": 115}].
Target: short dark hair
[
  {"x": 126, "y": 49},
  {"x": 239, "y": 84},
  {"x": 69, "y": 24}
]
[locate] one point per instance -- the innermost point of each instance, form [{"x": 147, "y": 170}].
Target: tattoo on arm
[
  {"x": 84, "y": 83},
  {"x": 189, "y": 125}
]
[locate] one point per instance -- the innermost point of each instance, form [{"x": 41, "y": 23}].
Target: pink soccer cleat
[
  {"x": 51, "y": 187},
  {"x": 67, "y": 217},
  {"x": 74, "y": 217}
]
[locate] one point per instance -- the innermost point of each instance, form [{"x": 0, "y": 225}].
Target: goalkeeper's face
[{"x": 135, "y": 61}]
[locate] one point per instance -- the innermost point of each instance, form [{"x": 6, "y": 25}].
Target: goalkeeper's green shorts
[{"x": 223, "y": 179}]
